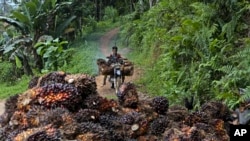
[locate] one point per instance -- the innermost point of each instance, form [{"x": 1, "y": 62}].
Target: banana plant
[
  {"x": 17, "y": 52},
  {"x": 34, "y": 19}
]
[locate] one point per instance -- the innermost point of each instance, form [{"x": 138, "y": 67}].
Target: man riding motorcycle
[{"x": 114, "y": 58}]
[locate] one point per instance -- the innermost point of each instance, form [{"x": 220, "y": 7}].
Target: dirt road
[
  {"x": 2, "y": 102},
  {"x": 105, "y": 48}
]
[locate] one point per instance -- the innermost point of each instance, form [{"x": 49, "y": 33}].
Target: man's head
[{"x": 114, "y": 49}]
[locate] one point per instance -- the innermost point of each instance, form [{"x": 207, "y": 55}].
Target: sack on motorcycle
[
  {"x": 128, "y": 70},
  {"x": 107, "y": 70}
]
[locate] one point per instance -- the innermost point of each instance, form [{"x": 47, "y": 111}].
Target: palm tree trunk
[
  {"x": 26, "y": 67},
  {"x": 38, "y": 60}
]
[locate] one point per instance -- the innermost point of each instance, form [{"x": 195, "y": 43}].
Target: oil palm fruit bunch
[
  {"x": 173, "y": 134},
  {"x": 160, "y": 104},
  {"x": 177, "y": 113},
  {"x": 51, "y": 134},
  {"x": 100, "y": 103},
  {"x": 40, "y": 133},
  {"x": 127, "y": 119},
  {"x": 95, "y": 129},
  {"x": 36, "y": 116},
  {"x": 85, "y": 115},
  {"x": 19, "y": 120},
  {"x": 192, "y": 133},
  {"x": 158, "y": 125},
  {"x": 109, "y": 121},
  {"x": 219, "y": 129},
  {"x": 33, "y": 82},
  {"x": 10, "y": 108},
  {"x": 84, "y": 83},
  {"x": 10, "y": 104},
  {"x": 7, "y": 133},
  {"x": 51, "y": 78},
  {"x": 58, "y": 95},
  {"x": 55, "y": 117},
  {"x": 70, "y": 130},
  {"x": 196, "y": 117},
  {"x": 26, "y": 99},
  {"x": 128, "y": 96},
  {"x": 216, "y": 110},
  {"x": 139, "y": 128}
]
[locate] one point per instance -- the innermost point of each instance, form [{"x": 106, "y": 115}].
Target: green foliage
[
  {"x": 18, "y": 87},
  {"x": 53, "y": 53},
  {"x": 191, "y": 51},
  {"x": 84, "y": 58},
  {"x": 6, "y": 72},
  {"x": 110, "y": 13}
]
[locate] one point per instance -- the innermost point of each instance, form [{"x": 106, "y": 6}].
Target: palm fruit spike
[
  {"x": 10, "y": 104},
  {"x": 84, "y": 115},
  {"x": 51, "y": 134},
  {"x": 109, "y": 121},
  {"x": 51, "y": 78},
  {"x": 35, "y": 116},
  {"x": 29, "y": 132},
  {"x": 196, "y": 117},
  {"x": 19, "y": 120},
  {"x": 127, "y": 119},
  {"x": 70, "y": 130},
  {"x": 177, "y": 113},
  {"x": 160, "y": 105},
  {"x": 25, "y": 99},
  {"x": 33, "y": 82},
  {"x": 85, "y": 84},
  {"x": 100, "y": 103},
  {"x": 219, "y": 129},
  {"x": 58, "y": 95},
  {"x": 55, "y": 117},
  {"x": 216, "y": 110},
  {"x": 158, "y": 125},
  {"x": 127, "y": 95}
]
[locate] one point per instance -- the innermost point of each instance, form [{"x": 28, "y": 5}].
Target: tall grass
[
  {"x": 20, "y": 86},
  {"x": 83, "y": 60}
]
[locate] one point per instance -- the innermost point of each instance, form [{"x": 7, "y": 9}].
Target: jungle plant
[
  {"x": 193, "y": 49},
  {"x": 54, "y": 53},
  {"x": 110, "y": 13},
  {"x": 34, "y": 19}
]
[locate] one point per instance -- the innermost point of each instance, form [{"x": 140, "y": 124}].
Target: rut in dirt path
[
  {"x": 106, "y": 40},
  {"x": 105, "y": 47}
]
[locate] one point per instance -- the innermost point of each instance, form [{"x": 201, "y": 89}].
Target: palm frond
[{"x": 13, "y": 22}]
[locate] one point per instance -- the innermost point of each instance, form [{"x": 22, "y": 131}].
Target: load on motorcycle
[
  {"x": 116, "y": 67},
  {"x": 115, "y": 60}
]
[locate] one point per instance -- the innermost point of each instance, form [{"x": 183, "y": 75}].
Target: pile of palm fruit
[{"x": 60, "y": 106}]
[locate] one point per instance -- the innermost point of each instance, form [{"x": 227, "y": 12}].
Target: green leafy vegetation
[
  {"x": 186, "y": 47},
  {"x": 192, "y": 48},
  {"x": 18, "y": 87},
  {"x": 84, "y": 58}
]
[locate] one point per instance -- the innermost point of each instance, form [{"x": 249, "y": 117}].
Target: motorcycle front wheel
[{"x": 117, "y": 84}]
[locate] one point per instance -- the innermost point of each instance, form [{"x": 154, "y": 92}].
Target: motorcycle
[{"x": 116, "y": 79}]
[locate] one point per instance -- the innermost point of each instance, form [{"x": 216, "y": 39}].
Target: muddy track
[
  {"x": 105, "y": 48},
  {"x": 2, "y": 102}
]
